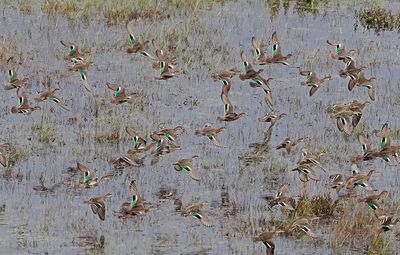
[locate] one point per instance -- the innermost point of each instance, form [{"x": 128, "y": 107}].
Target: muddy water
[{"x": 59, "y": 222}]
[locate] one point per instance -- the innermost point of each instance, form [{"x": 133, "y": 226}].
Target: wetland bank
[{"x": 206, "y": 37}]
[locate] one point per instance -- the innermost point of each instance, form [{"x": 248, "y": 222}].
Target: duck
[
  {"x": 249, "y": 72},
  {"x": 272, "y": 117},
  {"x": 358, "y": 179},
  {"x": 313, "y": 81},
  {"x": 98, "y": 205},
  {"x": 186, "y": 164},
  {"x": 138, "y": 141},
  {"x": 12, "y": 78},
  {"x": 162, "y": 149},
  {"x": 373, "y": 200},
  {"x": 229, "y": 114},
  {"x": 358, "y": 106},
  {"x": 277, "y": 57},
  {"x": 267, "y": 238},
  {"x": 344, "y": 123},
  {"x": 306, "y": 172},
  {"x": 390, "y": 155},
  {"x": 389, "y": 223},
  {"x": 211, "y": 133},
  {"x": 340, "y": 51},
  {"x": 24, "y": 106},
  {"x": 73, "y": 51},
  {"x": 89, "y": 177},
  {"x": 387, "y": 152},
  {"x": 303, "y": 225},
  {"x": 305, "y": 165},
  {"x": 135, "y": 206},
  {"x": 79, "y": 64},
  {"x": 386, "y": 139},
  {"x": 120, "y": 94},
  {"x": 225, "y": 74},
  {"x": 170, "y": 135},
  {"x": 350, "y": 70},
  {"x": 135, "y": 45},
  {"x": 288, "y": 144},
  {"x": 336, "y": 182},
  {"x": 43, "y": 188},
  {"x": 336, "y": 108},
  {"x": 226, "y": 87},
  {"x": 283, "y": 201},
  {"x": 50, "y": 96},
  {"x": 387, "y": 219},
  {"x": 167, "y": 70},
  {"x": 366, "y": 147},
  {"x": 346, "y": 111},
  {"x": 172, "y": 60},
  {"x": 196, "y": 212},
  {"x": 283, "y": 191},
  {"x": 260, "y": 82},
  {"x": 311, "y": 159},
  {"x": 258, "y": 52},
  {"x": 84, "y": 79},
  {"x": 130, "y": 159},
  {"x": 363, "y": 82}
]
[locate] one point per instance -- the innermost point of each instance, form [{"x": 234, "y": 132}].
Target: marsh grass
[
  {"x": 316, "y": 207},
  {"x": 357, "y": 227},
  {"x": 25, "y": 6},
  {"x": 113, "y": 11},
  {"x": 45, "y": 131},
  {"x": 111, "y": 123},
  {"x": 65, "y": 8},
  {"x": 321, "y": 206},
  {"x": 378, "y": 18}
]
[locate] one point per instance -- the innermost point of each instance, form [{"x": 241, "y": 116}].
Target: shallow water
[{"x": 53, "y": 223}]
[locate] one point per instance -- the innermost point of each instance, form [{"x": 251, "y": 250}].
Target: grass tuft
[
  {"x": 45, "y": 131},
  {"x": 379, "y": 19}
]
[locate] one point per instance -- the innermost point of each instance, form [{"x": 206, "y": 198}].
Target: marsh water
[{"x": 232, "y": 181}]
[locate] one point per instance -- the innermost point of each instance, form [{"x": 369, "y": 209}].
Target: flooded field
[{"x": 206, "y": 37}]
